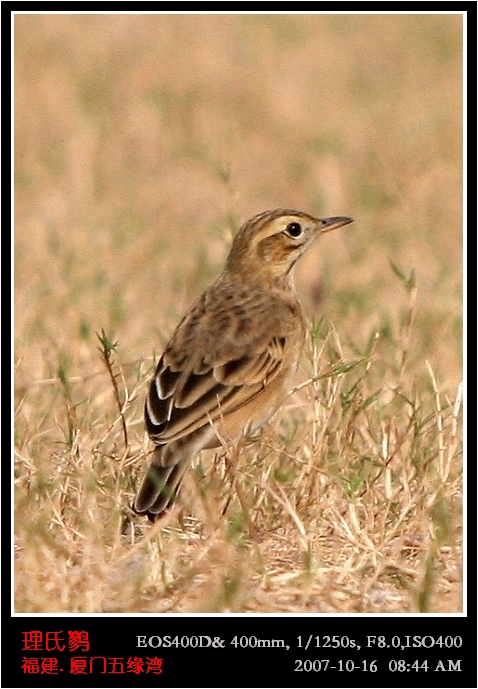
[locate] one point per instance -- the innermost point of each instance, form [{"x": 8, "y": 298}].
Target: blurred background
[{"x": 142, "y": 142}]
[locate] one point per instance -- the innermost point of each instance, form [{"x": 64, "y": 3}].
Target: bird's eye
[{"x": 294, "y": 229}]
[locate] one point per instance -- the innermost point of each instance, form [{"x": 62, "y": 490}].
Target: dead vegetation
[{"x": 141, "y": 142}]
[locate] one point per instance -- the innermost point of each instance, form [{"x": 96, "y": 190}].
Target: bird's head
[{"x": 272, "y": 242}]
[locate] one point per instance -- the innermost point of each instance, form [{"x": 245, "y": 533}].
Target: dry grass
[{"x": 141, "y": 143}]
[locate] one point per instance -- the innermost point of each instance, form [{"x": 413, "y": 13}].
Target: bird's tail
[{"x": 160, "y": 486}]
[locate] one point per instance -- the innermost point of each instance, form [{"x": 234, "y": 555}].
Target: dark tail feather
[{"x": 160, "y": 488}]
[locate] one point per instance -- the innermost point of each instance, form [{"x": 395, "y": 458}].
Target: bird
[{"x": 232, "y": 359}]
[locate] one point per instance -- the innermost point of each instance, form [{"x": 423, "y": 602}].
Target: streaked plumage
[{"x": 232, "y": 359}]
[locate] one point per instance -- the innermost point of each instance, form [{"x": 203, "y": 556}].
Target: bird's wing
[
  {"x": 184, "y": 399},
  {"x": 213, "y": 365}
]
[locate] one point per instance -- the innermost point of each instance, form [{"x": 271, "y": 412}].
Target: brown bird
[{"x": 233, "y": 357}]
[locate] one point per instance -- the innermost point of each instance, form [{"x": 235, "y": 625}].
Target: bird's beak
[{"x": 329, "y": 224}]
